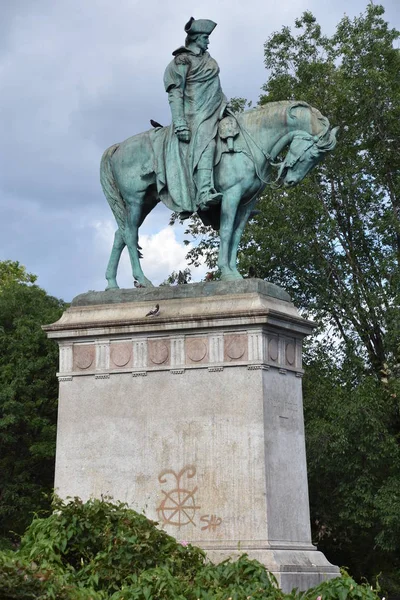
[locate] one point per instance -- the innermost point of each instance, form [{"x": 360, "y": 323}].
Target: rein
[
  {"x": 267, "y": 156},
  {"x": 292, "y": 136},
  {"x": 288, "y": 164}
]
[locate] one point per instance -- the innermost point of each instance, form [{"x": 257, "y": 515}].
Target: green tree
[
  {"x": 334, "y": 241},
  {"x": 28, "y": 397},
  {"x": 353, "y": 458},
  {"x": 178, "y": 277},
  {"x": 12, "y": 271}
]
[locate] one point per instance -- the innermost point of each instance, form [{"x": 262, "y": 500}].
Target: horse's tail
[{"x": 110, "y": 189}]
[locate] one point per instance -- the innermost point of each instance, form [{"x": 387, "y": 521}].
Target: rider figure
[{"x": 197, "y": 105}]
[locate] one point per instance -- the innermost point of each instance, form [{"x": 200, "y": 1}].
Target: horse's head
[{"x": 304, "y": 153}]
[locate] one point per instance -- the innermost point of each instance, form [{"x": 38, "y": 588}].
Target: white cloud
[{"x": 162, "y": 254}]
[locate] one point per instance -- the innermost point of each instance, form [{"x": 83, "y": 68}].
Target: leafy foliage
[
  {"x": 28, "y": 397},
  {"x": 353, "y": 459},
  {"x": 98, "y": 550},
  {"x": 334, "y": 241},
  {"x": 13, "y": 272},
  {"x": 178, "y": 277}
]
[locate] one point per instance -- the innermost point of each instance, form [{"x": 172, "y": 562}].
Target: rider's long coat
[{"x": 196, "y": 76}]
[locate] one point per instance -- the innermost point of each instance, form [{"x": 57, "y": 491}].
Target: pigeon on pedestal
[{"x": 154, "y": 311}]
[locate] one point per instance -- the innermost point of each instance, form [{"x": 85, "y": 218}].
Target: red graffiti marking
[{"x": 178, "y": 506}]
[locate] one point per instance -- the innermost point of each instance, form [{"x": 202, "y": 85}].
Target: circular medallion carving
[
  {"x": 158, "y": 352},
  {"x": 84, "y": 356},
  {"x": 236, "y": 347},
  {"x": 273, "y": 349},
  {"x": 196, "y": 350},
  {"x": 290, "y": 353},
  {"x": 121, "y": 354}
]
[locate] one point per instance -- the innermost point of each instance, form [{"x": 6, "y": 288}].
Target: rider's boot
[{"x": 207, "y": 195}]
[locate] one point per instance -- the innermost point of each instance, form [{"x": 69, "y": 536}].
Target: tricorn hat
[{"x": 199, "y": 26}]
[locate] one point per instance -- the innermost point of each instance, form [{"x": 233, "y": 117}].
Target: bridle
[{"x": 292, "y": 157}]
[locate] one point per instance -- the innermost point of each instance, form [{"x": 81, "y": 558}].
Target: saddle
[{"x": 228, "y": 130}]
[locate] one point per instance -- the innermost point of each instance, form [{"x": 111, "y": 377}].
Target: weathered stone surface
[
  {"x": 201, "y": 428},
  {"x": 194, "y": 290}
]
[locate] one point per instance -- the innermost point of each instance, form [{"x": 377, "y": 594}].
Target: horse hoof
[
  {"x": 112, "y": 287},
  {"x": 144, "y": 283}
]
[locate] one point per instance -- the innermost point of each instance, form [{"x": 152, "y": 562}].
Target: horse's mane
[{"x": 282, "y": 107}]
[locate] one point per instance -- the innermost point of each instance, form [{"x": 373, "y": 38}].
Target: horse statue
[{"x": 242, "y": 170}]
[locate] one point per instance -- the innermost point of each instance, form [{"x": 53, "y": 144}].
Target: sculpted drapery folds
[{"x": 197, "y": 104}]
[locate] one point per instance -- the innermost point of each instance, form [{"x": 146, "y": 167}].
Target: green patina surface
[
  {"x": 209, "y": 161},
  {"x": 193, "y": 290}
]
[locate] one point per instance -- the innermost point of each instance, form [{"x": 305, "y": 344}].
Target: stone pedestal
[{"x": 194, "y": 417}]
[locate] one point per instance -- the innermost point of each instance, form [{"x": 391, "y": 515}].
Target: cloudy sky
[{"x": 79, "y": 75}]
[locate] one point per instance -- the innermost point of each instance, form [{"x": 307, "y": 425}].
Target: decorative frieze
[{"x": 252, "y": 347}]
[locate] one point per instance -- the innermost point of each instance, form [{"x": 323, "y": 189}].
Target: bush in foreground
[{"x": 103, "y": 551}]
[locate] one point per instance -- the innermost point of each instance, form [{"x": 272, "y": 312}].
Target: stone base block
[
  {"x": 295, "y": 568},
  {"x": 194, "y": 417}
]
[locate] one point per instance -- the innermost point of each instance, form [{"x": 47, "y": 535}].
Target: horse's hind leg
[
  {"x": 242, "y": 216},
  {"x": 133, "y": 222},
  {"x": 111, "y": 272}
]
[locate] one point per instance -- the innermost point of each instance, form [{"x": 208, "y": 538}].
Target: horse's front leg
[
  {"x": 134, "y": 219},
  {"x": 229, "y": 206},
  {"x": 242, "y": 217},
  {"x": 112, "y": 267}
]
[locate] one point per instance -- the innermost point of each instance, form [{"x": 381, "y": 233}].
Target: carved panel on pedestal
[
  {"x": 273, "y": 349},
  {"x": 159, "y": 352},
  {"x": 235, "y": 347},
  {"x": 290, "y": 352},
  {"x": 121, "y": 355},
  {"x": 84, "y": 355},
  {"x": 196, "y": 350}
]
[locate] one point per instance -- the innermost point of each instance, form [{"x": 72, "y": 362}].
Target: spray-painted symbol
[
  {"x": 178, "y": 506},
  {"x": 212, "y": 522}
]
